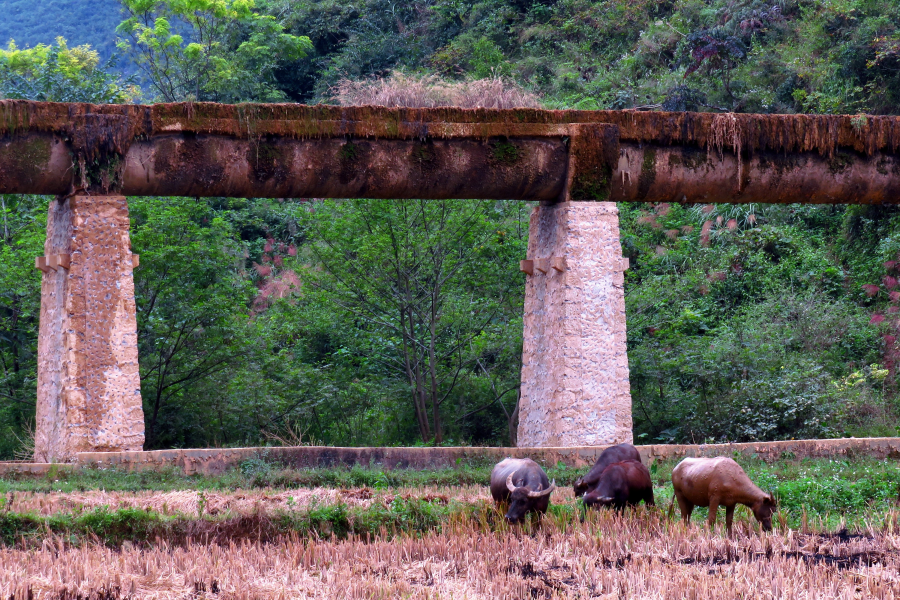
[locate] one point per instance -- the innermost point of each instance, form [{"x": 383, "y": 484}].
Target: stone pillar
[
  {"x": 575, "y": 389},
  {"x": 89, "y": 393}
]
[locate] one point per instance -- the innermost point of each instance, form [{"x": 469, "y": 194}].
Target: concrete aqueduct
[{"x": 577, "y": 164}]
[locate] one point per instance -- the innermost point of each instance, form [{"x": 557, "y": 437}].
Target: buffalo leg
[
  {"x": 713, "y": 508},
  {"x": 686, "y": 509},
  {"x": 729, "y": 514},
  {"x": 648, "y": 498}
]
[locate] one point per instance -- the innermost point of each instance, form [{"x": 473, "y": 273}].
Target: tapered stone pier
[
  {"x": 89, "y": 391},
  {"x": 575, "y": 389}
]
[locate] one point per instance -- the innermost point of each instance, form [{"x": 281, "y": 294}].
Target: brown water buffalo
[
  {"x": 609, "y": 456},
  {"x": 523, "y": 483},
  {"x": 622, "y": 483},
  {"x": 719, "y": 481}
]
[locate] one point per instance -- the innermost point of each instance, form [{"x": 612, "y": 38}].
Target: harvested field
[
  {"x": 263, "y": 531},
  {"x": 638, "y": 555}
]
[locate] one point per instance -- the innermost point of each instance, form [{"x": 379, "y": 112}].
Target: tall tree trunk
[
  {"x": 413, "y": 374},
  {"x": 435, "y": 404},
  {"x": 513, "y": 422}
]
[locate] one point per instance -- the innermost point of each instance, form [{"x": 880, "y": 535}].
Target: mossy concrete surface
[{"x": 290, "y": 150}]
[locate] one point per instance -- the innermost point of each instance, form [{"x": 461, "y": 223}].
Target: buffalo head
[
  {"x": 763, "y": 510},
  {"x": 594, "y": 498},
  {"x": 580, "y": 487},
  {"x": 522, "y": 499}
]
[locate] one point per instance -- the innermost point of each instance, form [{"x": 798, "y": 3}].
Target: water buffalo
[
  {"x": 523, "y": 483},
  {"x": 622, "y": 483},
  {"x": 609, "y": 456},
  {"x": 719, "y": 481}
]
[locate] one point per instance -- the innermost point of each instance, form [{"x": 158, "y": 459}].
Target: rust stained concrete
[
  {"x": 218, "y": 460},
  {"x": 463, "y": 168},
  {"x": 299, "y": 151},
  {"x": 271, "y": 150},
  {"x": 88, "y": 381}
]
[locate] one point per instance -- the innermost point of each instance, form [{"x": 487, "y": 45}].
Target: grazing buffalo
[
  {"x": 609, "y": 456},
  {"x": 622, "y": 483},
  {"x": 523, "y": 483},
  {"x": 719, "y": 481}
]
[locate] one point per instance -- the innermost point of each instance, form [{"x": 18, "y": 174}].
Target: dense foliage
[
  {"x": 207, "y": 50},
  {"x": 58, "y": 73},
  {"x": 743, "y": 55},
  {"x": 386, "y": 322}
]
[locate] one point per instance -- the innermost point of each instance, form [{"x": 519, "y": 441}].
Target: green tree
[
  {"x": 22, "y": 224},
  {"x": 58, "y": 73},
  {"x": 193, "y": 299},
  {"x": 208, "y": 50},
  {"x": 429, "y": 283}
]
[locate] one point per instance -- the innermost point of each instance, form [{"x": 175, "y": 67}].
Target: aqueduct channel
[{"x": 577, "y": 164}]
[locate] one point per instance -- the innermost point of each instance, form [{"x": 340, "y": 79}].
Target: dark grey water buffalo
[
  {"x": 623, "y": 483},
  {"x": 523, "y": 483},
  {"x": 611, "y": 455}
]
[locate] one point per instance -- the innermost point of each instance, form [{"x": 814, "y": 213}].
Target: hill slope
[{"x": 32, "y": 22}]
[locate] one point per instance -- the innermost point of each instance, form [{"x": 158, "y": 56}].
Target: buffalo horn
[
  {"x": 509, "y": 483},
  {"x": 540, "y": 493}
]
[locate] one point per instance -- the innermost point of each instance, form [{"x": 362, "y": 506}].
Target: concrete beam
[
  {"x": 301, "y": 151},
  {"x": 575, "y": 380},
  {"x": 459, "y": 168}
]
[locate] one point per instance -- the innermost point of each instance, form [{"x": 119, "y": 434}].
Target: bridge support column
[
  {"x": 575, "y": 389},
  {"x": 89, "y": 396}
]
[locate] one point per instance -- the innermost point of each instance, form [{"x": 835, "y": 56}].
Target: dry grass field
[
  {"x": 264, "y": 532},
  {"x": 640, "y": 554}
]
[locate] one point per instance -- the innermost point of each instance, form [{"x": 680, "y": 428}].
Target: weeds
[{"x": 431, "y": 91}]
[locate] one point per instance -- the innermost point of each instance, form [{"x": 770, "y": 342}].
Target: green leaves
[
  {"x": 193, "y": 308},
  {"x": 22, "y": 224},
  {"x": 431, "y": 295},
  {"x": 741, "y": 321},
  {"x": 59, "y": 73},
  {"x": 208, "y": 50}
]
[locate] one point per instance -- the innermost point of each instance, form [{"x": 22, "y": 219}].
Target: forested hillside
[
  {"x": 33, "y": 22},
  {"x": 267, "y": 320}
]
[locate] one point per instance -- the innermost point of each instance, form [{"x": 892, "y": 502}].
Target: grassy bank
[
  {"x": 820, "y": 495},
  {"x": 141, "y": 526}
]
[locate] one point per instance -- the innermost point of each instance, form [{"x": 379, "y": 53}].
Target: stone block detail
[
  {"x": 575, "y": 388},
  {"x": 89, "y": 396}
]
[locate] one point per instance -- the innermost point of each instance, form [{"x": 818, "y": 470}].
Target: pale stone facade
[
  {"x": 575, "y": 388},
  {"x": 89, "y": 396}
]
